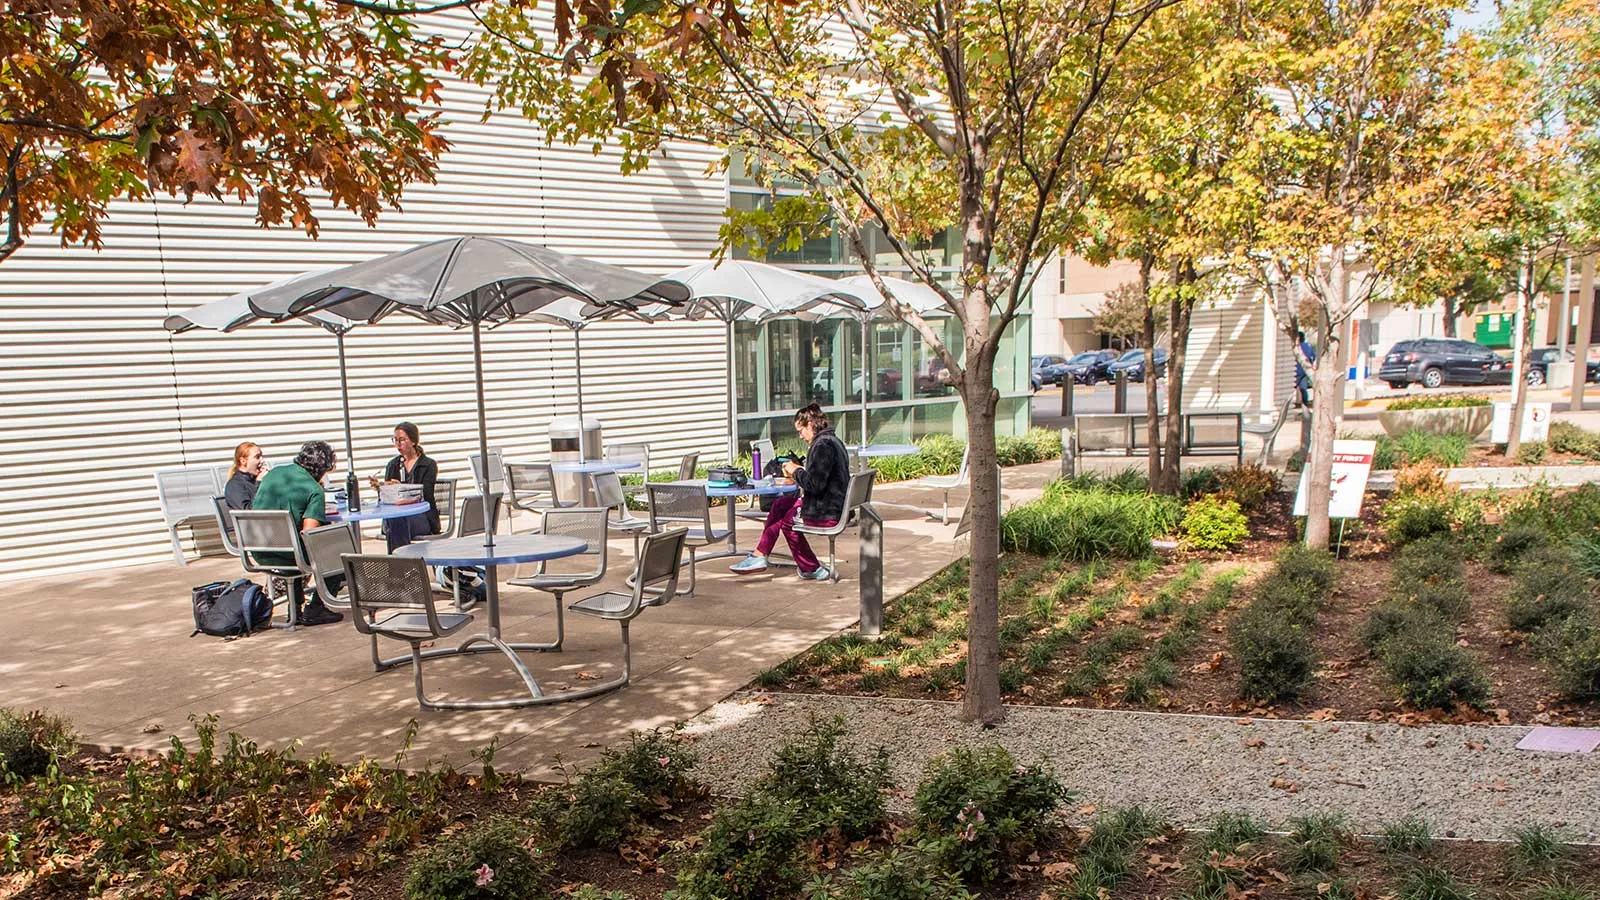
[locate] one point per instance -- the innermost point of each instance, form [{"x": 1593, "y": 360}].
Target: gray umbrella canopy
[
  {"x": 742, "y": 291},
  {"x": 468, "y": 280},
  {"x": 234, "y": 312},
  {"x": 465, "y": 280}
]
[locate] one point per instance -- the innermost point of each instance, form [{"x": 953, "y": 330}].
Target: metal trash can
[{"x": 572, "y": 441}]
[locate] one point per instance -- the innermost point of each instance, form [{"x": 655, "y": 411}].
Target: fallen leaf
[
  {"x": 1326, "y": 714},
  {"x": 1284, "y": 784},
  {"x": 1473, "y": 745},
  {"x": 1255, "y": 743},
  {"x": 152, "y": 728},
  {"x": 588, "y": 676},
  {"x": 1058, "y": 871},
  {"x": 1087, "y": 810}
]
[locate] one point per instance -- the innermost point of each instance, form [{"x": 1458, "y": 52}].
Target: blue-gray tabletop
[
  {"x": 508, "y": 549},
  {"x": 872, "y": 450},
  {"x": 762, "y": 488},
  {"x": 382, "y": 511},
  {"x": 595, "y": 466}
]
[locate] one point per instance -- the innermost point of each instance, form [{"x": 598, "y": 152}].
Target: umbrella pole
[
  {"x": 733, "y": 413},
  {"x": 577, "y": 361},
  {"x": 483, "y": 451},
  {"x": 344, "y": 395},
  {"x": 864, "y": 357}
]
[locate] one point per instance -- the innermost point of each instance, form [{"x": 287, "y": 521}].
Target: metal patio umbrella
[
  {"x": 234, "y": 312},
  {"x": 576, "y": 315},
  {"x": 919, "y": 297},
  {"x": 467, "y": 281},
  {"x": 743, "y": 291}
]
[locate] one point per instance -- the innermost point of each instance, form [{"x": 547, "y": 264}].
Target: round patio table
[
  {"x": 872, "y": 450},
  {"x": 382, "y": 511},
  {"x": 505, "y": 550}
]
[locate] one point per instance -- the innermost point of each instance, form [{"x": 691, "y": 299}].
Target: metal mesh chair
[
  {"x": 687, "y": 466},
  {"x": 945, "y": 483},
  {"x": 444, "y": 491},
  {"x": 391, "y": 596},
  {"x": 566, "y": 574},
  {"x": 260, "y": 531},
  {"x": 630, "y": 451},
  {"x": 497, "y": 474},
  {"x": 533, "y": 488},
  {"x": 768, "y": 451},
  {"x": 859, "y": 492},
  {"x": 655, "y": 583},
  {"x": 609, "y": 495},
  {"x": 219, "y": 505},
  {"x": 324, "y": 548},
  {"x": 185, "y": 497},
  {"x": 468, "y": 524},
  {"x": 687, "y": 505}
]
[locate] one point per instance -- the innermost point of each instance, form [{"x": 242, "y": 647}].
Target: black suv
[{"x": 1432, "y": 362}]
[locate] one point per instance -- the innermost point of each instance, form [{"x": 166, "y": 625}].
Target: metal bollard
[
  {"x": 1069, "y": 462},
  {"x": 1119, "y": 400},
  {"x": 1066, "y": 398},
  {"x": 871, "y": 570}
]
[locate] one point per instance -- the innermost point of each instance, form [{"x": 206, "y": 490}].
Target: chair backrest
[
  {"x": 855, "y": 460},
  {"x": 859, "y": 491},
  {"x": 629, "y": 451},
  {"x": 324, "y": 548},
  {"x": 961, "y": 473},
  {"x": 768, "y": 452},
  {"x": 655, "y": 575},
  {"x": 186, "y": 493},
  {"x": 687, "y": 465},
  {"x": 219, "y": 506},
  {"x": 471, "y": 519},
  {"x": 497, "y": 469},
  {"x": 532, "y": 482},
  {"x": 608, "y": 492},
  {"x": 374, "y": 582},
  {"x": 679, "y": 503},
  {"x": 444, "y": 491},
  {"x": 588, "y": 524},
  {"x": 267, "y": 531}
]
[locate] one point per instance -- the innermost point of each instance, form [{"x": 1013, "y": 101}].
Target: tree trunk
[
  {"x": 1326, "y": 383},
  {"x": 1152, "y": 396},
  {"x": 1519, "y": 373},
  {"x": 1449, "y": 316},
  {"x": 981, "y": 701},
  {"x": 1180, "y": 310}
]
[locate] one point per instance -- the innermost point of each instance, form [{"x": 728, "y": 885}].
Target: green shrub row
[
  {"x": 1416, "y": 447},
  {"x": 1566, "y": 437},
  {"x": 1082, "y": 524},
  {"x": 1413, "y": 632},
  {"x": 1271, "y": 637},
  {"x": 1446, "y": 401}
]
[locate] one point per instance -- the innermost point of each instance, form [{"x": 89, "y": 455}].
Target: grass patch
[
  {"x": 1080, "y": 524},
  {"x": 1416, "y": 447}
]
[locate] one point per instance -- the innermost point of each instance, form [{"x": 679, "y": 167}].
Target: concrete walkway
[{"x": 111, "y": 652}]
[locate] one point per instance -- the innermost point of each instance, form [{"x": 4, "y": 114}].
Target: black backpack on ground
[{"x": 230, "y": 609}]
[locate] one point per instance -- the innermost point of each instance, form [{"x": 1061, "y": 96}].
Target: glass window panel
[
  {"x": 887, "y": 368},
  {"x": 933, "y": 418},
  {"x": 827, "y": 340},
  {"x": 930, "y": 376},
  {"x": 747, "y": 365},
  {"x": 889, "y": 425},
  {"x": 785, "y": 365}
]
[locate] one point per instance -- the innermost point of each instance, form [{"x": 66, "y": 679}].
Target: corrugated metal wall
[
  {"x": 96, "y": 396},
  {"x": 1226, "y": 347}
]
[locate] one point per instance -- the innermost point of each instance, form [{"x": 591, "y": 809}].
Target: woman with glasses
[{"x": 411, "y": 466}]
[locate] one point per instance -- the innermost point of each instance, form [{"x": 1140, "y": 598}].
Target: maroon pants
[{"x": 780, "y": 520}]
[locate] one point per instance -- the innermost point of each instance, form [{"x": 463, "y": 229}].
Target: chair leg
[
  {"x": 416, "y": 677},
  {"x": 690, "y": 592},
  {"x": 177, "y": 546},
  {"x": 627, "y": 653},
  {"x": 833, "y": 558}
]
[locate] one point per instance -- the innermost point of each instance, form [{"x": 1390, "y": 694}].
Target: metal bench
[
  {"x": 185, "y": 497},
  {"x": 1209, "y": 433}
]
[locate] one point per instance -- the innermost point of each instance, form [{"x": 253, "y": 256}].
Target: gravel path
[{"x": 1467, "y": 781}]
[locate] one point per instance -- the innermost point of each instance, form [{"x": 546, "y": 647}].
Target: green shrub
[
  {"x": 751, "y": 849},
  {"x": 1199, "y": 481},
  {"x": 1546, "y": 590},
  {"x": 1089, "y": 524},
  {"x": 1428, "y": 573},
  {"x": 1275, "y": 654},
  {"x": 1408, "y": 519},
  {"x": 1433, "y": 881},
  {"x": 1437, "y": 401},
  {"x": 1572, "y": 647},
  {"x": 1416, "y": 447},
  {"x": 979, "y": 811},
  {"x": 1532, "y": 453},
  {"x": 1315, "y": 841},
  {"x": 1392, "y": 617},
  {"x": 1537, "y": 848},
  {"x": 1312, "y": 570},
  {"x": 594, "y": 810},
  {"x": 1111, "y": 850},
  {"x": 1513, "y": 543},
  {"x": 833, "y": 788},
  {"x": 488, "y": 860},
  {"x": 656, "y": 765},
  {"x": 896, "y": 873},
  {"x": 1212, "y": 523},
  {"x": 1410, "y": 836},
  {"x": 29, "y": 742},
  {"x": 1565, "y": 437},
  {"x": 1249, "y": 484},
  {"x": 1432, "y": 672},
  {"x": 1036, "y": 445}
]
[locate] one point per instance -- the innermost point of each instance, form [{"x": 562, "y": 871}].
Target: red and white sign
[{"x": 1352, "y": 463}]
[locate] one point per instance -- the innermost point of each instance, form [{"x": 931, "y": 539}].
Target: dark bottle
[{"x": 351, "y": 492}]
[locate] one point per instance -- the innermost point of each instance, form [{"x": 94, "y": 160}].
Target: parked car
[
  {"x": 1046, "y": 370},
  {"x": 1132, "y": 362},
  {"x": 1089, "y": 367},
  {"x": 1432, "y": 362},
  {"x": 1539, "y": 366}
]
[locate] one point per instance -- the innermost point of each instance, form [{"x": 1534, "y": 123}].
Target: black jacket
[
  {"x": 425, "y": 473},
  {"x": 825, "y": 478},
  {"x": 240, "y": 491}
]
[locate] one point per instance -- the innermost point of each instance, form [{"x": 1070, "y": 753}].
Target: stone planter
[{"x": 1471, "y": 420}]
